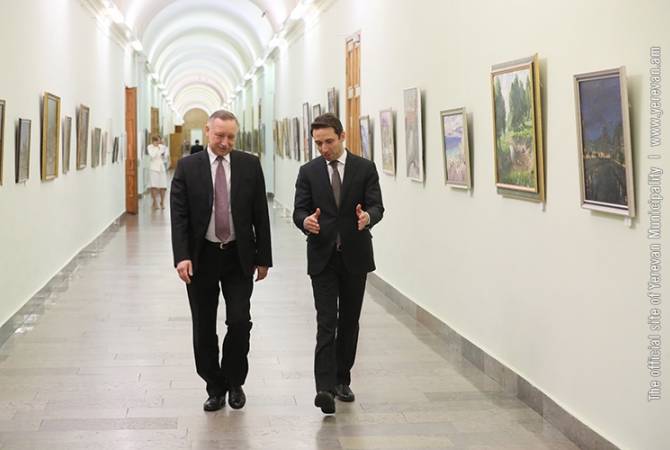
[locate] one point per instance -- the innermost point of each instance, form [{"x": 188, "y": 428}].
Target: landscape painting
[
  {"x": 604, "y": 142},
  {"x": 455, "y": 147},
  {"x": 517, "y": 129}
]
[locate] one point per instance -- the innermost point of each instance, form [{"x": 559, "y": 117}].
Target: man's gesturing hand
[
  {"x": 311, "y": 223},
  {"x": 363, "y": 217}
]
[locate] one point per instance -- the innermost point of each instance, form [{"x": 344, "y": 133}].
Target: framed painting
[
  {"x": 103, "y": 152},
  {"x": 413, "y": 134},
  {"x": 95, "y": 147},
  {"x": 296, "y": 138},
  {"x": 387, "y": 131},
  {"x": 316, "y": 111},
  {"x": 455, "y": 148},
  {"x": 275, "y": 138},
  {"x": 2, "y": 137},
  {"x": 306, "y": 138},
  {"x": 287, "y": 138},
  {"x": 83, "y": 117},
  {"x": 67, "y": 138},
  {"x": 22, "y": 159},
  {"x": 333, "y": 102},
  {"x": 115, "y": 150},
  {"x": 50, "y": 136},
  {"x": 603, "y": 135},
  {"x": 366, "y": 137},
  {"x": 517, "y": 128}
]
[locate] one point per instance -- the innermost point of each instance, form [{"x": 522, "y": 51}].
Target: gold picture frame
[
  {"x": 50, "y": 136},
  {"x": 83, "y": 119},
  {"x": 517, "y": 129},
  {"x": 2, "y": 137}
]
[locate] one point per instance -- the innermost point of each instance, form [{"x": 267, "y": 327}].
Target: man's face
[
  {"x": 330, "y": 145},
  {"x": 221, "y": 135}
]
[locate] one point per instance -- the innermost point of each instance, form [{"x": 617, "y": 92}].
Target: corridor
[{"x": 103, "y": 360}]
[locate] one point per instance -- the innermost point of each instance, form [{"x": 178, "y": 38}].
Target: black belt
[{"x": 221, "y": 245}]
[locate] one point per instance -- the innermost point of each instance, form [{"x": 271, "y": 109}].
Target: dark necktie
[
  {"x": 336, "y": 182},
  {"x": 221, "y": 213}
]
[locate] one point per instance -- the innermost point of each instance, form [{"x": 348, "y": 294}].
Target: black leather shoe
[
  {"x": 344, "y": 393},
  {"x": 214, "y": 403},
  {"x": 236, "y": 397},
  {"x": 325, "y": 401}
]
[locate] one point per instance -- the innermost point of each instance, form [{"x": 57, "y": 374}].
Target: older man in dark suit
[
  {"x": 337, "y": 201},
  {"x": 220, "y": 236}
]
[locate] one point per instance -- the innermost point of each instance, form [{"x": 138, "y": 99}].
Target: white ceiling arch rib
[
  {"x": 202, "y": 49},
  {"x": 189, "y": 51},
  {"x": 203, "y": 68},
  {"x": 197, "y": 79}
]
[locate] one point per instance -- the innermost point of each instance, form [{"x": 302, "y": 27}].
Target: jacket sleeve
[
  {"x": 261, "y": 221},
  {"x": 302, "y": 204},
  {"x": 179, "y": 215},
  {"x": 373, "y": 196}
]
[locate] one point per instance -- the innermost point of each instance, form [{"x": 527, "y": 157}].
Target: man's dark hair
[
  {"x": 197, "y": 142},
  {"x": 327, "y": 120}
]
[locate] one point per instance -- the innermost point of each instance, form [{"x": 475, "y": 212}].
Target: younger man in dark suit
[
  {"x": 220, "y": 236},
  {"x": 337, "y": 201}
]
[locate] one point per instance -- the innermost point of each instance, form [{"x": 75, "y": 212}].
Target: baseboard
[
  {"x": 511, "y": 382},
  {"x": 30, "y": 312}
]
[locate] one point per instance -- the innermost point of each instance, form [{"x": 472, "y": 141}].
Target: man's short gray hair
[{"x": 222, "y": 114}]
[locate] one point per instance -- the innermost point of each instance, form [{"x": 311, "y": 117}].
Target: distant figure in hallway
[
  {"x": 337, "y": 201},
  {"x": 220, "y": 237},
  {"x": 157, "y": 172},
  {"x": 196, "y": 147}
]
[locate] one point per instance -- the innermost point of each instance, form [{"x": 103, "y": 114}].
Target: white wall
[
  {"x": 558, "y": 295},
  {"x": 55, "y": 46}
]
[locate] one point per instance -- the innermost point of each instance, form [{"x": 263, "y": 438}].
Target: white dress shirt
[
  {"x": 213, "y": 164},
  {"x": 341, "y": 163}
]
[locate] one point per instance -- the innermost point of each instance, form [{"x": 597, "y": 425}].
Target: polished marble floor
[{"x": 106, "y": 363}]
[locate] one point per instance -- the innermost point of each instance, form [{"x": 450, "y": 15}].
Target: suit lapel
[
  {"x": 206, "y": 176},
  {"x": 235, "y": 172},
  {"x": 349, "y": 172}
]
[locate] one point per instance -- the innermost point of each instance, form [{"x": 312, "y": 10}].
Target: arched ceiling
[{"x": 202, "y": 50}]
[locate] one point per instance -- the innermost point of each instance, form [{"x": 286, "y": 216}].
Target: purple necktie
[{"x": 221, "y": 213}]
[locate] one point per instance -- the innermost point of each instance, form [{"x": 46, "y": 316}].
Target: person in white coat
[{"x": 157, "y": 171}]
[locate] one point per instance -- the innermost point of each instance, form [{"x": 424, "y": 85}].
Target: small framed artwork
[
  {"x": 316, "y": 111},
  {"x": 275, "y": 138},
  {"x": 67, "y": 138},
  {"x": 103, "y": 154},
  {"x": 366, "y": 137},
  {"x": 603, "y": 134},
  {"x": 296, "y": 138},
  {"x": 413, "y": 134},
  {"x": 287, "y": 138},
  {"x": 387, "y": 131},
  {"x": 455, "y": 148},
  {"x": 306, "y": 138},
  {"x": 2, "y": 137},
  {"x": 517, "y": 128},
  {"x": 333, "y": 102},
  {"x": 95, "y": 147},
  {"x": 22, "y": 159},
  {"x": 115, "y": 150},
  {"x": 83, "y": 116},
  {"x": 50, "y": 136}
]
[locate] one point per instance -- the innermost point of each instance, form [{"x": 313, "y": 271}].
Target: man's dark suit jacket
[
  {"x": 196, "y": 148},
  {"x": 313, "y": 190},
  {"x": 191, "y": 198}
]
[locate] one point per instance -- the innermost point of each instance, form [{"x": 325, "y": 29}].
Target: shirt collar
[
  {"x": 342, "y": 159},
  {"x": 213, "y": 156}
]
